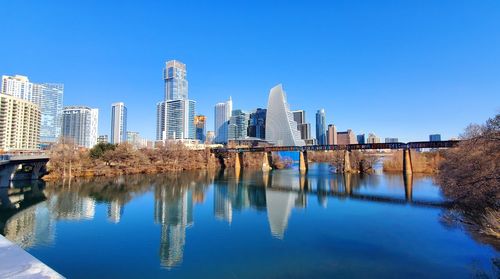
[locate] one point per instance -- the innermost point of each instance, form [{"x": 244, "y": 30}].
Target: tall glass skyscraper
[
  {"x": 176, "y": 84},
  {"x": 175, "y": 115},
  {"x": 238, "y": 125},
  {"x": 257, "y": 124},
  {"x": 321, "y": 127},
  {"x": 118, "y": 123}
]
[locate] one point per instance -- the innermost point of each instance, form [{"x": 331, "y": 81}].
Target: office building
[
  {"x": 80, "y": 125},
  {"x": 304, "y": 128},
  {"x": 332, "y": 134},
  {"x": 321, "y": 127},
  {"x": 222, "y": 116},
  {"x": 281, "y": 129},
  {"x": 19, "y": 124},
  {"x": 200, "y": 123},
  {"x": 435, "y": 137},
  {"x": 175, "y": 115},
  {"x": 372, "y": 138},
  {"x": 210, "y": 137},
  {"x": 118, "y": 123},
  {"x": 391, "y": 140},
  {"x": 257, "y": 124},
  {"x": 347, "y": 137},
  {"x": 238, "y": 125},
  {"x": 361, "y": 138},
  {"x": 176, "y": 84}
]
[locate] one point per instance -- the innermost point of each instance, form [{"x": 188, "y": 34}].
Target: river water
[{"x": 244, "y": 225}]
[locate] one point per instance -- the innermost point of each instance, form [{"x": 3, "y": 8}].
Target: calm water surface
[{"x": 246, "y": 225}]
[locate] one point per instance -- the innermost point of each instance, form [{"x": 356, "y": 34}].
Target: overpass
[
  {"x": 222, "y": 153},
  {"x": 21, "y": 167}
]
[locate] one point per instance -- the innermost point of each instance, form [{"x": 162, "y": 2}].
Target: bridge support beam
[
  {"x": 407, "y": 167},
  {"x": 38, "y": 170},
  {"x": 303, "y": 164},
  {"x": 238, "y": 161},
  {"x": 267, "y": 161},
  {"x": 347, "y": 161}
]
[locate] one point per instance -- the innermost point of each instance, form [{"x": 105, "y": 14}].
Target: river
[{"x": 243, "y": 225}]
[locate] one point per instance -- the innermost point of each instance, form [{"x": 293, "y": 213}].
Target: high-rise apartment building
[
  {"x": 200, "y": 123},
  {"x": 281, "y": 128},
  {"x": 19, "y": 123},
  {"x": 321, "y": 127},
  {"x": 175, "y": 115},
  {"x": 80, "y": 125},
  {"x": 257, "y": 124},
  {"x": 222, "y": 115},
  {"x": 347, "y": 137},
  {"x": 49, "y": 98},
  {"x": 118, "y": 123},
  {"x": 102, "y": 139},
  {"x": 332, "y": 134},
  {"x": 238, "y": 125}
]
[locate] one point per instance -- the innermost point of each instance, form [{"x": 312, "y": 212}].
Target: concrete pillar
[
  {"x": 407, "y": 168},
  {"x": 408, "y": 181},
  {"x": 267, "y": 161},
  {"x": 7, "y": 174},
  {"x": 37, "y": 171},
  {"x": 238, "y": 161},
  {"x": 266, "y": 179},
  {"x": 347, "y": 161},
  {"x": 303, "y": 164}
]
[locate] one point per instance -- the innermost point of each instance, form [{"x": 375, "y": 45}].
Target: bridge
[
  {"x": 221, "y": 153},
  {"x": 21, "y": 167}
]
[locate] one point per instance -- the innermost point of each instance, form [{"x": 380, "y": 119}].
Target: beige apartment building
[{"x": 19, "y": 124}]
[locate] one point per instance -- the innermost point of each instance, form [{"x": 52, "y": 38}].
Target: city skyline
[{"x": 349, "y": 80}]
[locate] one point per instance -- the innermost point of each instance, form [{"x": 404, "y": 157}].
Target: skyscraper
[
  {"x": 118, "y": 123},
  {"x": 347, "y": 137},
  {"x": 332, "y": 134},
  {"x": 176, "y": 84},
  {"x": 257, "y": 124},
  {"x": 435, "y": 137},
  {"x": 361, "y": 138},
  {"x": 222, "y": 115},
  {"x": 281, "y": 129},
  {"x": 80, "y": 124},
  {"x": 19, "y": 123},
  {"x": 175, "y": 115},
  {"x": 321, "y": 127},
  {"x": 49, "y": 98},
  {"x": 238, "y": 125},
  {"x": 200, "y": 122},
  {"x": 304, "y": 128}
]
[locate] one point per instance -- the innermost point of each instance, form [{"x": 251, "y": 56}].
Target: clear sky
[{"x": 397, "y": 68}]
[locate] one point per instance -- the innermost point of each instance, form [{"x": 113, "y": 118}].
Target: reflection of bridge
[
  {"x": 20, "y": 167},
  {"x": 221, "y": 153}
]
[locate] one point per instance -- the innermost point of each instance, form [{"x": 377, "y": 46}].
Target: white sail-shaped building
[{"x": 281, "y": 128}]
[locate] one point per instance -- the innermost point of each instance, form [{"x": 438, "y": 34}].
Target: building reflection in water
[{"x": 30, "y": 219}]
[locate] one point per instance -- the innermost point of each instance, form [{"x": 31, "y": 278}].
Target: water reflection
[{"x": 30, "y": 220}]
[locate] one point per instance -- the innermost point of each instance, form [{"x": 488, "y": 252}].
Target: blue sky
[{"x": 397, "y": 68}]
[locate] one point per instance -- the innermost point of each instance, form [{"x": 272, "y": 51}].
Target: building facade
[
  {"x": 102, "y": 139},
  {"x": 200, "y": 122},
  {"x": 321, "y": 127},
  {"x": 281, "y": 128},
  {"x": 304, "y": 128},
  {"x": 361, "y": 138},
  {"x": 347, "y": 137},
  {"x": 238, "y": 125},
  {"x": 332, "y": 134},
  {"x": 372, "y": 138},
  {"x": 435, "y": 137},
  {"x": 179, "y": 116},
  {"x": 18, "y": 86},
  {"x": 80, "y": 125},
  {"x": 257, "y": 124},
  {"x": 19, "y": 124},
  {"x": 222, "y": 115},
  {"x": 391, "y": 140},
  {"x": 176, "y": 84},
  {"x": 118, "y": 123}
]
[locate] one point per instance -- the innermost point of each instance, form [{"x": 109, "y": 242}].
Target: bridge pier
[
  {"x": 238, "y": 161},
  {"x": 347, "y": 161},
  {"x": 267, "y": 161},
  {"x": 7, "y": 174},
  {"x": 407, "y": 167},
  {"x": 303, "y": 164},
  {"x": 38, "y": 170}
]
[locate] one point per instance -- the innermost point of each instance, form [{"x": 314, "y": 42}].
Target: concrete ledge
[{"x": 17, "y": 263}]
